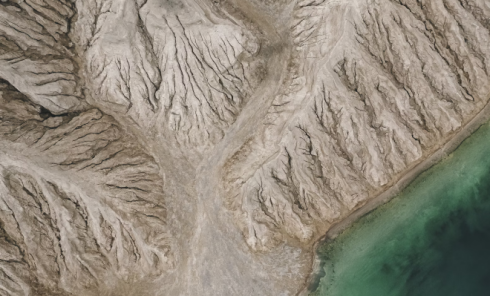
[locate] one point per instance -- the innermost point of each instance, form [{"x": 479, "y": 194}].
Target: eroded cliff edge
[{"x": 202, "y": 147}]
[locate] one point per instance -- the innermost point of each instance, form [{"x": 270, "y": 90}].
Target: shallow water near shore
[{"x": 432, "y": 239}]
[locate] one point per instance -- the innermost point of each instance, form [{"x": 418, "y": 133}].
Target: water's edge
[{"x": 441, "y": 152}]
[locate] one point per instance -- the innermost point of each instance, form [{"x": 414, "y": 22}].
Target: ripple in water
[{"x": 433, "y": 239}]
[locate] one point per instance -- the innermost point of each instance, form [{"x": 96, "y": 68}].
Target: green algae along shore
[{"x": 432, "y": 239}]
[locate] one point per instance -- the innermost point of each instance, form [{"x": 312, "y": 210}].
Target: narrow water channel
[{"x": 431, "y": 240}]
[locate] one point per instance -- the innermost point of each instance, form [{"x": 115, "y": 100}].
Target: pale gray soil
[{"x": 203, "y": 147}]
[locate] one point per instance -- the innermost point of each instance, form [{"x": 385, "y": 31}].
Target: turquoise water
[{"x": 433, "y": 239}]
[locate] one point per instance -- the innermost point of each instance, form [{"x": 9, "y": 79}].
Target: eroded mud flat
[
  {"x": 203, "y": 147},
  {"x": 432, "y": 239}
]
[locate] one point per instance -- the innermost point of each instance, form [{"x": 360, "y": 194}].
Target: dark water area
[{"x": 433, "y": 239}]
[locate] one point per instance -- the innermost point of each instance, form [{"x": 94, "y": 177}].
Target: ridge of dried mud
[{"x": 199, "y": 147}]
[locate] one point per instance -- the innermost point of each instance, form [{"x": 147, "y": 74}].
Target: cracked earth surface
[{"x": 199, "y": 147}]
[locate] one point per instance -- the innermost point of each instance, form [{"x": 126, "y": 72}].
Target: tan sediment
[{"x": 396, "y": 187}]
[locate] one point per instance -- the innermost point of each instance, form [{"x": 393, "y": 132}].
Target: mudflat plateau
[{"x": 204, "y": 147}]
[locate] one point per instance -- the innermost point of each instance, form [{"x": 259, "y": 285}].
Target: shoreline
[{"x": 384, "y": 196}]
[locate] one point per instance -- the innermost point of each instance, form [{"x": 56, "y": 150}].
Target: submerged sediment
[{"x": 429, "y": 240}]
